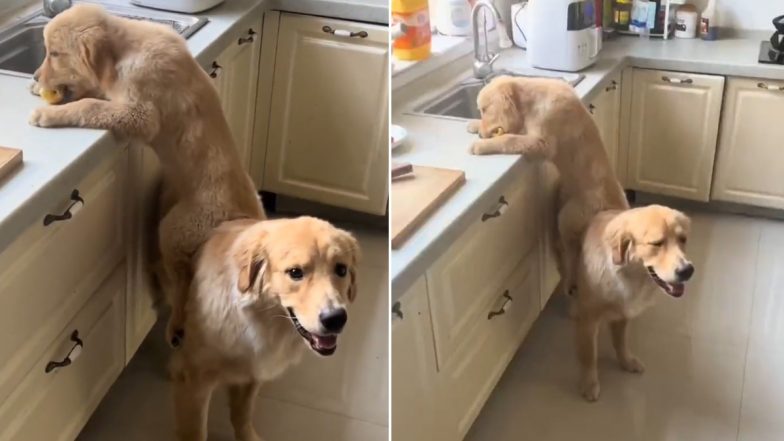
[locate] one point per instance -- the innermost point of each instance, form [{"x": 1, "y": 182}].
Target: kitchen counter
[
  {"x": 443, "y": 142},
  {"x": 55, "y": 160}
]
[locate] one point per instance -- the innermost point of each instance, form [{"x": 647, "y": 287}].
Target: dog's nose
[
  {"x": 333, "y": 320},
  {"x": 685, "y": 272},
  {"x": 35, "y": 76}
]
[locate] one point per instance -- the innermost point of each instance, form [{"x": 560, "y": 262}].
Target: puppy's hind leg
[
  {"x": 619, "y": 330},
  {"x": 587, "y": 334},
  {"x": 191, "y": 406},
  {"x": 570, "y": 226},
  {"x": 241, "y": 399}
]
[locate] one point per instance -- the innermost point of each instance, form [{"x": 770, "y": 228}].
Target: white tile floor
[
  {"x": 138, "y": 407},
  {"x": 714, "y": 357}
]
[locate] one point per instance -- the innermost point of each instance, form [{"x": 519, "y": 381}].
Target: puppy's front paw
[
  {"x": 473, "y": 126},
  {"x": 478, "y": 148},
  {"x": 633, "y": 364},
  {"x": 589, "y": 388},
  {"x": 40, "y": 118}
]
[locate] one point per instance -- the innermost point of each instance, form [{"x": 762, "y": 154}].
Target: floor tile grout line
[{"x": 748, "y": 335}]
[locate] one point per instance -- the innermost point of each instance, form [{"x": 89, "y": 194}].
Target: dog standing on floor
[
  {"x": 139, "y": 80},
  {"x": 628, "y": 258},
  {"x": 263, "y": 292},
  {"x": 543, "y": 119}
]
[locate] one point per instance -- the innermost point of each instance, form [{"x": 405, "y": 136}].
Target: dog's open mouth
[
  {"x": 673, "y": 289},
  {"x": 323, "y": 344}
]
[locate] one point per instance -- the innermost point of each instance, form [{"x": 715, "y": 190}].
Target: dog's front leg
[
  {"x": 191, "y": 406},
  {"x": 126, "y": 120},
  {"x": 241, "y": 399},
  {"x": 620, "y": 330},
  {"x": 587, "y": 334},
  {"x": 532, "y": 147}
]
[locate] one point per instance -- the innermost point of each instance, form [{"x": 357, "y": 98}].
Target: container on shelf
[{"x": 415, "y": 43}]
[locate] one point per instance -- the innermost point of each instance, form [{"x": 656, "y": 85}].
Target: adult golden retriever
[
  {"x": 628, "y": 259},
  {"x": 139, "y": 80},
  {"x": 543, "y": 119},
  {"x": 263, "y": 292}
]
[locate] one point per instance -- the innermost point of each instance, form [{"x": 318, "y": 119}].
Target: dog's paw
[
  {"x": 633, "y": 364},
  {"x": 473, "y": 126},
  {"x": 40, "y": 118},
  {"x": 175, "y": 335},
  {"x": 590, "y": 390},
  {"x": 478, "y": 148}
]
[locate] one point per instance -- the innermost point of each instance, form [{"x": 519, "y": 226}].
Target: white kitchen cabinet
[
  {"x": 328, "y": 128},
  {"x": 235, "y": 73},
  {"x": 606, "y": 111},
  {"x": 673, "y": 131},
  {"x": 750, "y": 159},
  {"x": 416, "y": 412}
]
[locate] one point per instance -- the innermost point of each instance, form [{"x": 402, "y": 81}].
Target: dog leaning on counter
[
  {"x": 543, "y": 119},
  {"x": 139, "y": 80},
  {"x": 261, "y": 290}
]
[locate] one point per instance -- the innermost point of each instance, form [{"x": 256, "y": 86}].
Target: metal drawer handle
[
  {"x": 216, "y": 69},
  {"x": 505, "y": 307},
  {"x": 499, "y": 210},
  {"x": 591, "y": 108},
  {"x": 73, "y": 354},
  {"x": 396, "y": 310},
  {"x": 613, "y": 85},
  {"x": 770, "y": 87},
  {"x": 677, "y": 80},
  {"x": 344, "y": 33},
  {"x": 249, "y": 39},
  {"x": 69, "y": 212}
]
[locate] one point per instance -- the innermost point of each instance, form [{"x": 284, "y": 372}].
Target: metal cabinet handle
[
  {"x": 591, "y": 108},
  {"x": 498, "y": 211},
  {"x": 344, "y": 33},
  {"x": 216, "y": 69},
  {"x": 249, "y": 39},
  {"x": 73, "y": 354},
  {"x": 677, "y": 80},
  {"x": 69, "y": 212},
  {"x": 396, "y": 310},
  {"x": 505, "y": 307},
  {"x": 613, "y": 85},
  {"x": 770, "y": 87}
]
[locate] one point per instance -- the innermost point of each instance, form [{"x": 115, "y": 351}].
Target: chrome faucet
[
  {"x": 483, "y": 63},
  {"x": 54, "y": 7}
]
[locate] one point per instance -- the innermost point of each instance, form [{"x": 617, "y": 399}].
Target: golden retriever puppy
[
  {"x": 543, "y": 119},
  {"x": 139, "y": 80},
  {"x": 263, "y": 292},
  {"x": 628, "y": 259}
]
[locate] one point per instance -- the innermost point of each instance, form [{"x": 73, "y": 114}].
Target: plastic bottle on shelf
[{"x": 415, "y": 43}]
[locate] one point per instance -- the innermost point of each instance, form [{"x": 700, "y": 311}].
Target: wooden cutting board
[
  {"x": 416, "y": 197},
  {"x": 10, "y": 159}
]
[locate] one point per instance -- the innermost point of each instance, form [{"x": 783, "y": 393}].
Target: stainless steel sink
[
  {"x": 459, "y": 102},
  {"x": 22, "y": 44}
]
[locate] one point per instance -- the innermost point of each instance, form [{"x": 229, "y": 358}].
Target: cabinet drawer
[
  {"x": 482, "y": 357},
  {"x": 466, "y": 280},
  {"x": 54, "y": 406},
  {"x": 49, "y": 272}
]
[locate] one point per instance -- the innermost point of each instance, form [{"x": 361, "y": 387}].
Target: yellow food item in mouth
[
  {"x": 51, "y": 96},
  {"x": 498, "y": 132}
]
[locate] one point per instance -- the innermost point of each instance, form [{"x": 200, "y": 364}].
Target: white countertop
[
  {"x": 441, "y": 142},
  {"x": 55, "y": 160}
]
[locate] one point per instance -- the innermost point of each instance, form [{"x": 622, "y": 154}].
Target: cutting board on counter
[
  {"x": 415, "y": 197},
  {"x": 10, "y": 159}
]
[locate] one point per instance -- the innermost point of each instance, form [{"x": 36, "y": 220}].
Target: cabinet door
[
  {"x": 235, "y": 73},
  {"x": 674, "y": 127},
  {"x": 606, "y": 111},
  {"x": 414, "y": 406},
  {"x": 328, "y": 128},
  {"x": 750, "y": 161}
]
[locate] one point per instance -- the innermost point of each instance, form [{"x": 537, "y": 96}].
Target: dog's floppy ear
[
  {"x": 618, "y": 239},
  {"x": 94, "y": 50},
  {"x": 251, "y": 262},
  {"x": 353, "y": 248}
]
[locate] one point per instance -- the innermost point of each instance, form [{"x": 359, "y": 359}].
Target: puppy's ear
[
  {"x": 94, "y": 50},
  {"x": 251, "y": 262},
  {"x": 353, "y": 247},
  {"x": 617, "y": 238}
]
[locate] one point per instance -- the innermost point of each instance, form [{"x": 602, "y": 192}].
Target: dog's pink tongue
[{"x": 325, "y": 341}]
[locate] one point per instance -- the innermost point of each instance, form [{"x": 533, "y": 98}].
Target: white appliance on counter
[
  {"x": 186, "y": 6},
  {"x": 563, "y": 34}
]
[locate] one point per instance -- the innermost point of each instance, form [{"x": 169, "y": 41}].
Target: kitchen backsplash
[{"x": 745, "y": 14}]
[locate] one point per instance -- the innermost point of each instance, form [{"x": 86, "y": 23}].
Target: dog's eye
[
  {"x": 682, "y": 240},
  {"x": 54, "y": 54},
  {"x": 658, "y": 243},
  {"x": 341, "y": 270},
  {"x": 295, "y": 273}
]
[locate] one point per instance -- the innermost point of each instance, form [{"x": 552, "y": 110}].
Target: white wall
[{"x": 746, "y": 14}]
